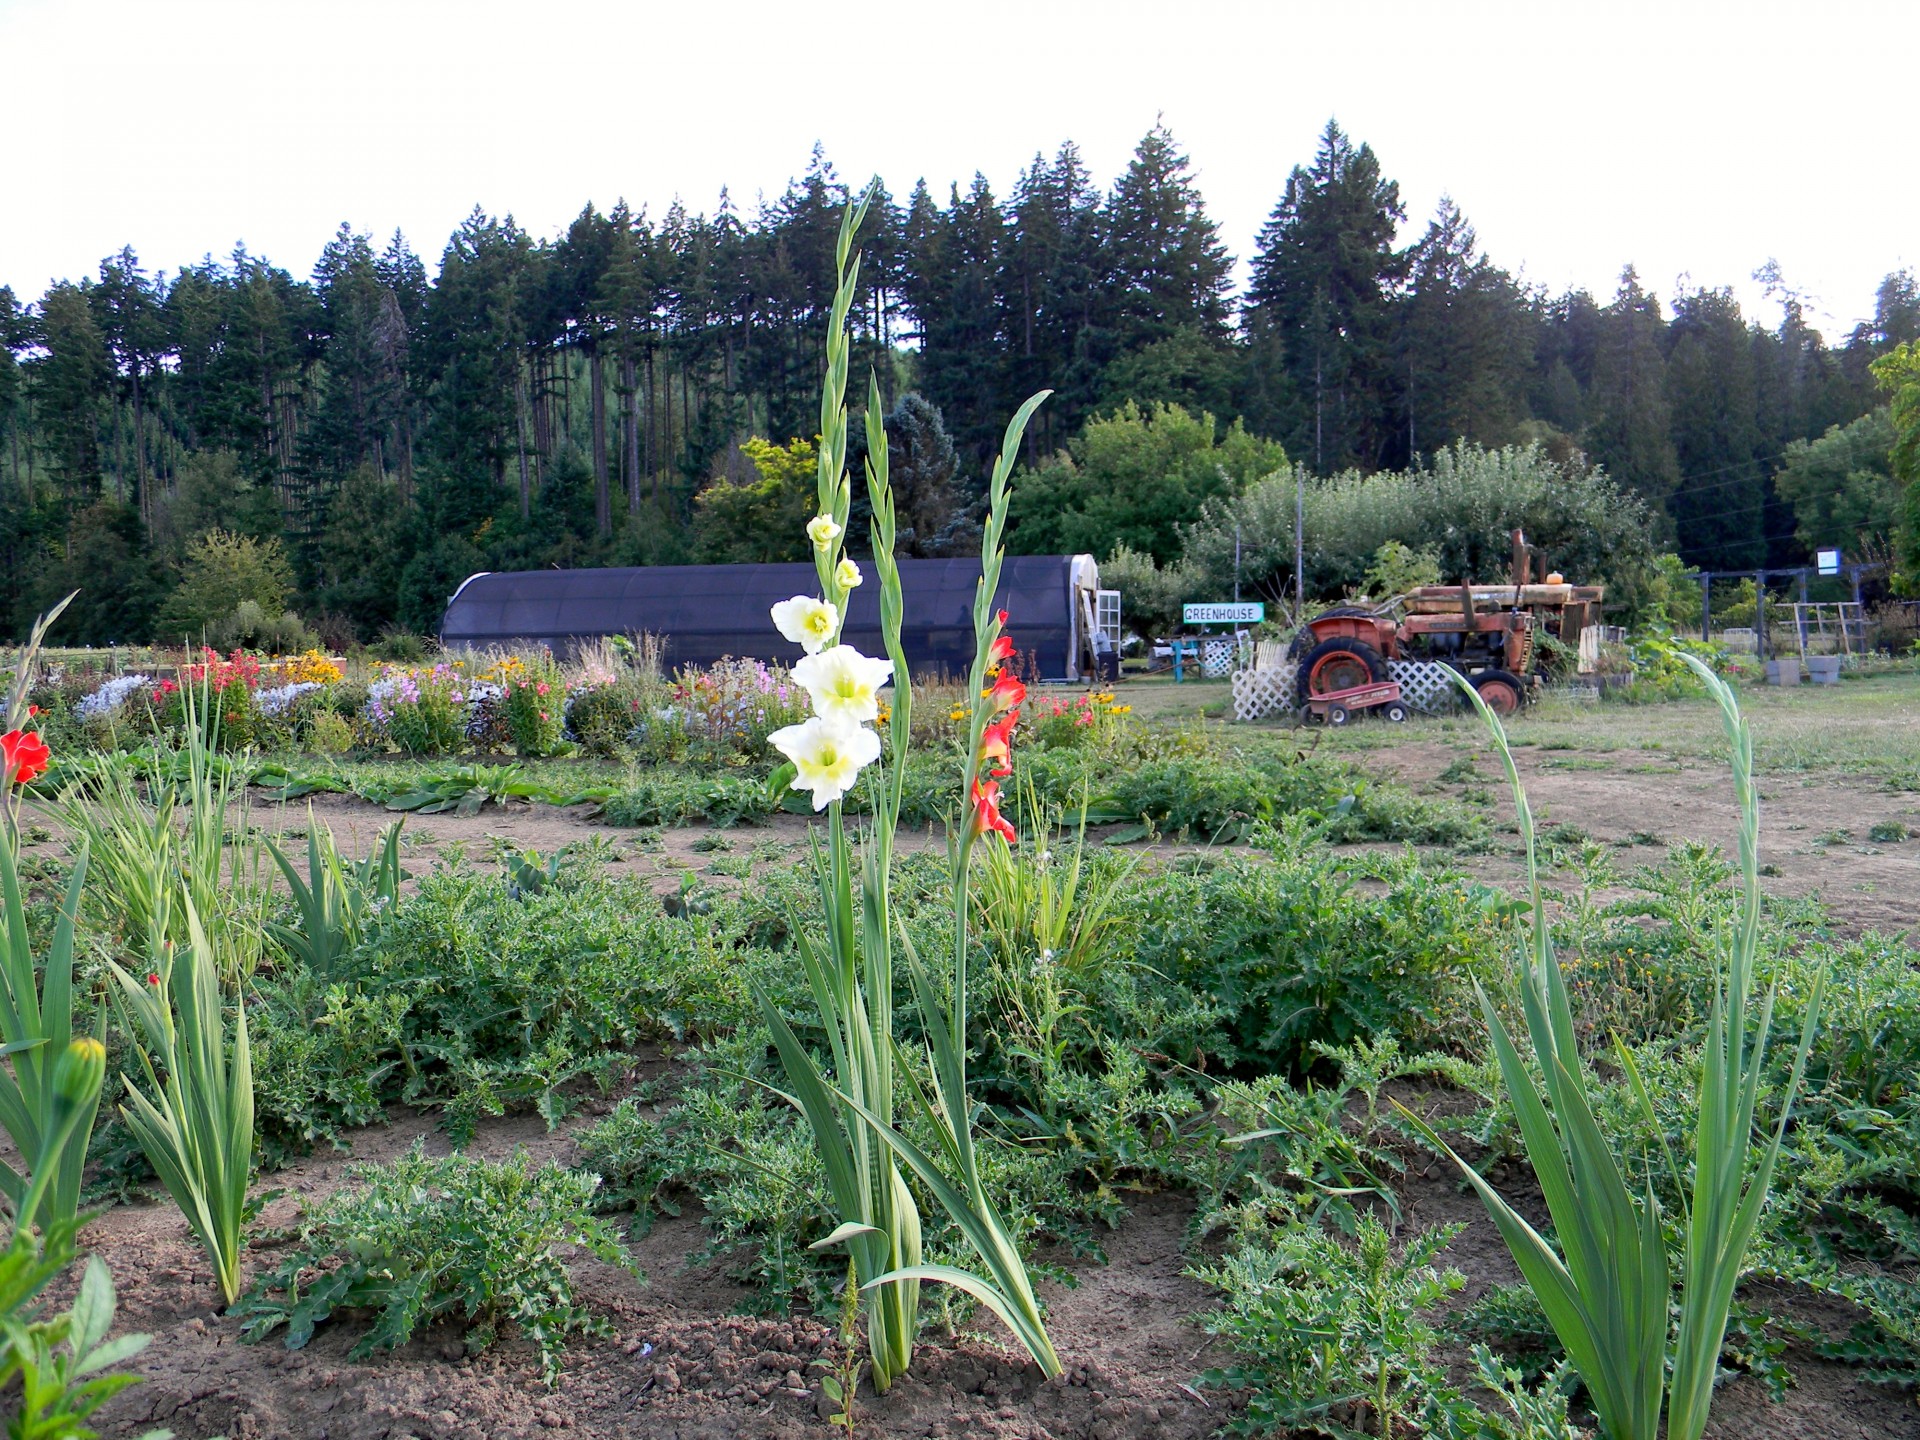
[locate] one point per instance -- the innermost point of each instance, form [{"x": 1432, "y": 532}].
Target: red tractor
[{"x": 1487, "y": 632}]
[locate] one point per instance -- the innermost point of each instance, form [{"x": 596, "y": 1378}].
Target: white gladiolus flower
[
  {"x": 848, "y": 574},
  {"x": 827, "y": 755},
  {"x": 844, "y": 684},
  {"x": 809, "y": 623},
  {"x": 823, "y": 530}
]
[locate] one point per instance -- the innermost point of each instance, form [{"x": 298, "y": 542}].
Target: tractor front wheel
[
  {"x": 1338, "y": 664},
  {"x": 1502, "y": 691}
]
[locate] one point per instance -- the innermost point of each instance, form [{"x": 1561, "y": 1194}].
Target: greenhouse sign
[{"x": 1236, "y": 612}]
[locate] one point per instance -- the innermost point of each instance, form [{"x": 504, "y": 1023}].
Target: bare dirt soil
[
  {"x": 680, "y": 1362},
  {"x": 1814, "y": 829}
]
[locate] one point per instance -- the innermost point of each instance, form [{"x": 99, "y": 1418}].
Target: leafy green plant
[
  {"x": 842, "y": 1379},
  {"x": 534, "y": 705},
  {"x": 677, "y": 797},
  {"x": 194, "y": 1118},
  {"x": 60, "y": 1364},
  {"x": 463, "y": 790},
  {"x": 336, "y": 901},
  {"x": 36, "y": 1029},
  {"x": 1608, "y": 1298},
  {"x": 429, "y": 1238},
  {"x": 167, "y": 823},
  {"x": 1047, "y": 914},
  {"x": 1329, "y": 1334},
  {"x": 58, "y": 1360}
]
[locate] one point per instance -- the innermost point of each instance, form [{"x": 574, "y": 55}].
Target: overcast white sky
[{"x": 1691, "y": 139}]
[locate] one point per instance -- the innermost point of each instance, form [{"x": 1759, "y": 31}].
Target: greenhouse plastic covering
[{"x": 707, "y": 612}]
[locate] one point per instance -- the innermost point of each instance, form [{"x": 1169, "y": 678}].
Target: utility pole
[
  {"x": 1299, "y": 543},
  {"x": 1236, "y": 564}
]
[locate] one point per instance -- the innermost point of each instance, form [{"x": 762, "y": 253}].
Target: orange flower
[
  {"x": 996, "y": 745},
  {"x": 25, "y": 757},
  {"x": 1007, "y": 694},
  {"x": 986, "y": 812}
]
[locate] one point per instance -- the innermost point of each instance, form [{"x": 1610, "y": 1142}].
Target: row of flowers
[{"x": 734, "y": 712}]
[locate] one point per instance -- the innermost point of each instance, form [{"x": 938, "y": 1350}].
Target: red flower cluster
[
  {"x": 220, "y": 673},
  {"x": 996, "y": 743},
  {"x": 25, "y": 757}
]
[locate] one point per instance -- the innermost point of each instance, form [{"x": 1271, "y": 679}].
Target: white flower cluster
[
  {"x": 278, "y": 700},
  {"x": 834, "y": 745},
  {"x": 108, "y": 699}
]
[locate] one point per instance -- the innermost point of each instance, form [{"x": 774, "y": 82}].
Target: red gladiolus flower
[
  {"x": 996, "y": 745},
  {"x": 986, "y": 812},
  {"x": 1001, "y": 650},
  {"x": 152, "y": 978},
  {"x": 1007, "y": 694},
  {"x": 26, "y": 756}
]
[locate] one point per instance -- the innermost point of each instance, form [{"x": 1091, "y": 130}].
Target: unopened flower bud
[{"x": 79, "y": 1073}]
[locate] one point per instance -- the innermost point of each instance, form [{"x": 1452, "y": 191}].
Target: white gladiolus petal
[
  {"x": 827, "y": 756},
  {"x": 843, "y": 684},
  {"x": 809, "y": 623},
  {"x": 823, "y": 530},
  {"x": 848, "y": 574}
]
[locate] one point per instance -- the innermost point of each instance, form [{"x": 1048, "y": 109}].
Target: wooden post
[{"x": 1706, "y": 605}]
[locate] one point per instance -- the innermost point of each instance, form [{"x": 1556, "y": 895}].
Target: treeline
[{"x": 606, "y": 397}]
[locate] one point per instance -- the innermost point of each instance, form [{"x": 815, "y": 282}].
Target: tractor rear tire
[
  {"x": 1303, "y": 641},
  {"x": 1500, "y": 689},
  {"x": 1338, "y": 664}
]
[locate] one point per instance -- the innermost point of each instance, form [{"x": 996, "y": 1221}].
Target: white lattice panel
[
  {"x": 1269, "y": 690},
  {"x": 1217, "y": 656},
  {"x": 1263, "y": 692},
  {"x": 1424, "y": 684}
]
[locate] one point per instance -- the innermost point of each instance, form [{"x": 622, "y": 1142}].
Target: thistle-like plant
[{"x": 1607, "y": 1288}]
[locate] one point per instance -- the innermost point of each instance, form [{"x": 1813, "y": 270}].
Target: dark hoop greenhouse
[{"x": 708, "y": 612}]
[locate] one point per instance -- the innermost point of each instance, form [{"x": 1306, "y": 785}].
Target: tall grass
[
  {"x": 187, "y": 830},
  {"x": 1608, "y": 1289}
]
